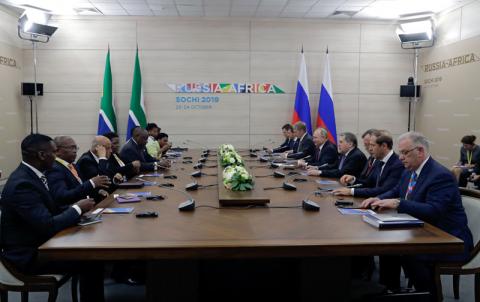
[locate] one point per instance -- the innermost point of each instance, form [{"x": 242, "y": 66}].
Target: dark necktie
[
  {"x": 379, "y": 167},
  {"x": 370, "y": 166},
  {"x": 318, "y": 155},
  {"x": 342, "y": 161}
]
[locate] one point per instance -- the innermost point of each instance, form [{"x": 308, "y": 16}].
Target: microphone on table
[
  {"x": 286, "y": 185},
  {"x": 194, "y": 185},
  {"x": 310, "y": 205},
  {"x": 276, "y": 174},
  {"x": 204, "y": 159},
  {"x": 199, "y": 166},
  {"x": 197, "y": 174},
  {"x": 186, "y": 206}
]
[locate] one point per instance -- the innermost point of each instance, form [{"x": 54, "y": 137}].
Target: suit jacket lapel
[
  {"x": 47, "y": 198},
  {"x": 386, "y": 166},
  {"x": 140, "y": 152}
]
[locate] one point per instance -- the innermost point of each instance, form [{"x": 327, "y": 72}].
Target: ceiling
[{"x": 331, "y": 9}]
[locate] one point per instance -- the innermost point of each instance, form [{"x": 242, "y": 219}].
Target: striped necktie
[
  {"x": 44, "y": 180},
  {"x": 411, "y": 184},
  {"x": 119, "y": 161}
]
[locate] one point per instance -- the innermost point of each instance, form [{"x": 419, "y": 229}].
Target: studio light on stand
[
  {"x": 32, "y": 26},
  {"x": 415, "y": 32}
]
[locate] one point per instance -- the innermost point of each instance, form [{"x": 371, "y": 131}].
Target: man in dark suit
[
  {"x": 30, "y": 217},
  {"x": 306, "y": 147},
  {"x": 427, "y": 191},
  {"x": 134, "y": 149},
  {"x": 387, "y": 171},
  {"x": 351, "y": 160},
  {"x": 95, "y": 162},
  {"x": 66, "y": 186},
  {"x": 115, "y": 164},
  {"x": 366, "y": 138},
  {"x": 289, "y": 142},
  {"x": 326, "y": 154}
]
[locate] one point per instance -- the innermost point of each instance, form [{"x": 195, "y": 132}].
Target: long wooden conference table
[{"x": 175, "y": 244}]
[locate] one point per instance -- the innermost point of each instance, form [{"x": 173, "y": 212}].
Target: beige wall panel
[
  {"x": 69, "y": 113},
  {"x": 450, "y": 103},
  {"x": 228, "y": 116},
  {"x": 197, "y": 141},
  {"x": 448, "y": 28},
  {"x": 8, "y": 29},
  {"x": 270, "y": 112},
  {"x": 270, "y": 141},
  {"x": 162, "y": 67},
  {"x": 77, "y": 34},
  {"x": 384, "y": 73},
  {"x": 80, "y": 71},
  {"x": 315, "y": 36},
  {"x": 374, "y": 111},
  {"x": 181, "y": 50},
  {"x": 380, "y": 38},
  {"x": 12, "y": 114},
  {"x": 188, "y": 34},
  {"x": 281, "y": 68},
  {"x": 470, "y": 20}
]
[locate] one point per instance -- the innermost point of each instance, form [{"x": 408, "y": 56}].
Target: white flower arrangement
[
  {"x": 229, "y": 157},
  {"x": 237, "y": 178},
  {"x": 225, "y": 148}
]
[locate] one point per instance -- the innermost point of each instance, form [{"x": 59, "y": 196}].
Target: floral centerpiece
[
  {"x": 229, "y": 157},
  {"x": 237, "y": 178}
]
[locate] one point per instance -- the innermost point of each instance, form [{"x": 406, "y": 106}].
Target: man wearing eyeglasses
[
  {"x": 66, "y": 185},
  {"x": 427, "y": 191}
]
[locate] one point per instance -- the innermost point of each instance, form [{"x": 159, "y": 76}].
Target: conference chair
[
  {"x": 12, "y": 280},
  {"x": 471, "y": 203}
]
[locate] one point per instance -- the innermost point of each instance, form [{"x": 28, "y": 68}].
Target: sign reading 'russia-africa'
[{"x": 226, "y": 88}]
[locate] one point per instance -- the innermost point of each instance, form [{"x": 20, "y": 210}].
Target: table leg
[
  {"x": 325, "y": 278},
  {"x": 172, "y": 280}
]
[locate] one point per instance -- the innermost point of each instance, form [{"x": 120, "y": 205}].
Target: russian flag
[
  {"x": 326, "y": 112},
  {"x": 301, "y": 111}
]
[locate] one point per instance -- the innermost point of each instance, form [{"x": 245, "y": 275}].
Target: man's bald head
[
  {"x": 101, "y": 140},
  {"x": 140, "y": 135}
]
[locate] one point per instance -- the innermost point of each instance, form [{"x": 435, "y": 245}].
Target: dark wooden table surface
[{"x": 236, "y": 233}]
